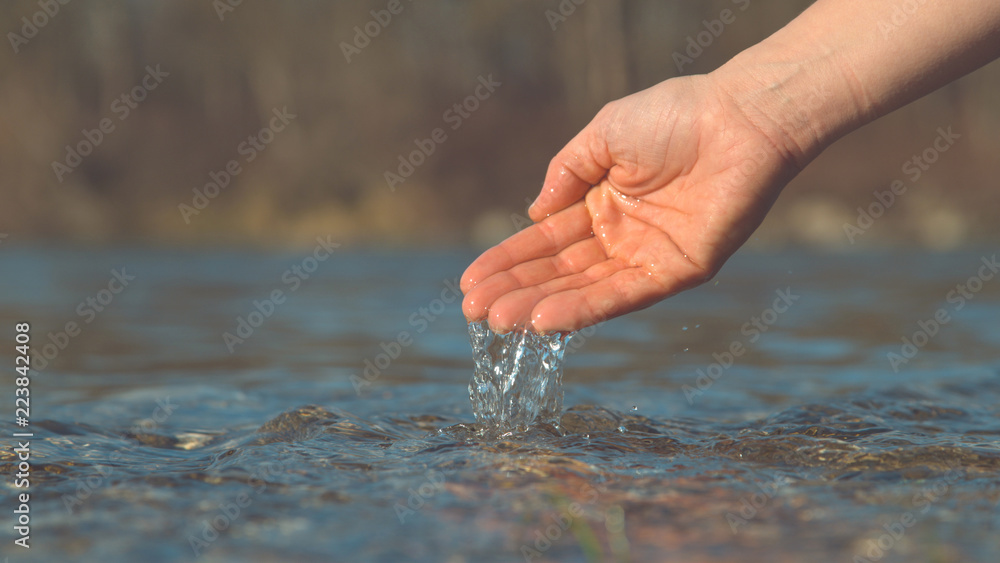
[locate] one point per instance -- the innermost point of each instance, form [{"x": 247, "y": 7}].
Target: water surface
[{"x": 340, "y": 428}]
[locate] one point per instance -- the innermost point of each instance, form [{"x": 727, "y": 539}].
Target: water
[
  {"x": 340, "y": 428},
  {"x": 517, "y": 379}
]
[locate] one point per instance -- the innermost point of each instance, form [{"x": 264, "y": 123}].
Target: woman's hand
[
  {"x": 664, "y": 185},
  {"x": 649, "y": 199}
]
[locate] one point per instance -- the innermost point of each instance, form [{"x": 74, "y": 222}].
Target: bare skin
[{"x": 663, "y": 186}]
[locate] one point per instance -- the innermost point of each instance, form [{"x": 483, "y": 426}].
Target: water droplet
[
  {"x": 621, "y": 429},
  {"x": 684, "y": 328},
  {"x": 635, "y": 408},
  {"x": 686, "y": 349},
  {"x": 697, "y": 326}
]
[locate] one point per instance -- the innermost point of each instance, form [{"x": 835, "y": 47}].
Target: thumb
[{"x": 583, "y": 162}]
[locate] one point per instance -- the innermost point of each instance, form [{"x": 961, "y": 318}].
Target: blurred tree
[{"x": 354, "y": 119}]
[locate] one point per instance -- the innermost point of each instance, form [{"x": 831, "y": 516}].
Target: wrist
[{"x": 803, "y": 100}]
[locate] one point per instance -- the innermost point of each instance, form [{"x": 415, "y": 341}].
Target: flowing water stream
[
  {"x": 517, "y": 379},
  {"x": 762, "y": 416}
]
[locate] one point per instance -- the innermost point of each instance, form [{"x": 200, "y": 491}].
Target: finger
[
  {"x": 576, "y": 258},
  {"x": 515, "y": 308},
  {"x": 578, "y": 166},
  {"x": 622, "y": 292},
  {"x": 604, "y": 290},
  {"x": 540, "y": 240}
]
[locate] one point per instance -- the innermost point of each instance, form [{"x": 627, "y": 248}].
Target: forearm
[{"x": 843, "y": 63}]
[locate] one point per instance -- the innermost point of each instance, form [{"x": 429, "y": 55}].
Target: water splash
[{"x": 518, "y": 378}]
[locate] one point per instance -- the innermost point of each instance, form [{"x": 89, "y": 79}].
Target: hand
[{"x": 650, "y": 199}]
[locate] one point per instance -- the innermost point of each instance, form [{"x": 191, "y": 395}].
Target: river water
[{"x": 774, "y": 414}]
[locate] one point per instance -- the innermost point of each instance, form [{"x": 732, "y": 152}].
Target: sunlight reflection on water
[{"x": 148, "y": 431}]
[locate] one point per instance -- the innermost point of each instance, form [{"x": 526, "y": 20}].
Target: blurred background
[{"x": 184, "y": 88}]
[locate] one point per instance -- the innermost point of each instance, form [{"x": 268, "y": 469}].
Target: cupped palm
[{"x": 649, "y": 199}]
